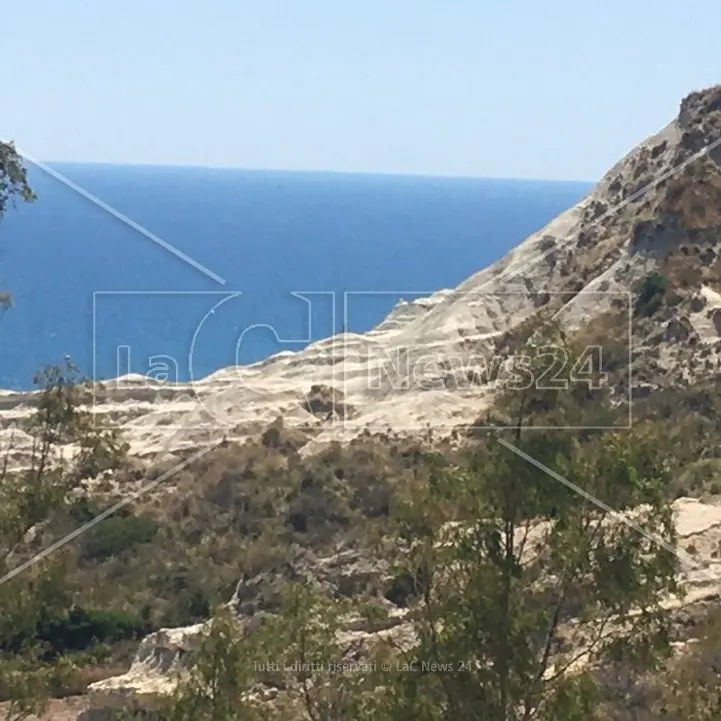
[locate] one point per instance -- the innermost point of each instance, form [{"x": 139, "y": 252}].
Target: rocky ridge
[{"x": 657, "y": 211}]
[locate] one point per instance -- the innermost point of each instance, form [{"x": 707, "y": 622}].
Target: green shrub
[
  {"x": 317, "y": 509},
  {"x": 82, "y": 629},
  {"x": 116, "y": 535},
  {"x": 651, "y": 293},
  {"x": 78, "y": 630},
  {"x": 191, "y": 606}
]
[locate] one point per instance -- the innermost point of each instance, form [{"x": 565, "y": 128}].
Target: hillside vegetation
[{"x": 544, "y": 546}]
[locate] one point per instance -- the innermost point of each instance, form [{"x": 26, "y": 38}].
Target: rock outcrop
[
  {"x": 159, "y": 661},
  {"x": 326, "y": 403},
  {"x": 657, "y": 211}
]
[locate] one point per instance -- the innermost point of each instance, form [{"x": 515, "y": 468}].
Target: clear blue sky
[{"x": 494, "y": 88}]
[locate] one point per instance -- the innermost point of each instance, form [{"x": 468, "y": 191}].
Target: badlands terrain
[{"x": 657, "y": 211}]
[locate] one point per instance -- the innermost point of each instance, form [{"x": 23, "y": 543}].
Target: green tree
[
  {"x": 691, "y": 689},
  {"x": 13, "y": 185},
  {"x": 13, "y": 178},
  {"x": 327, "y": 675},
  {"x": 220, "y": 672},
  {"x": 522, "y": 582},
  {"x": 293, "y": 664},
  {"x": 38, "y": 479}
]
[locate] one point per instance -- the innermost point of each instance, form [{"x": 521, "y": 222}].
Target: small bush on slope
[{"x": 651, "y": 293}]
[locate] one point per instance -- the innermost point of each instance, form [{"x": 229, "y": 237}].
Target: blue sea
[{"x": 236, "y": 265}]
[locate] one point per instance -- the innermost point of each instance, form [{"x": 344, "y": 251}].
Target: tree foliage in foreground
[
  {"x": 525, "y": 582},
  {"x": 13, "y": 177},
  {"x": 13, "y": 185},
  {"x": 62, "y": 449},
  {"x": 529, "y": 582}
]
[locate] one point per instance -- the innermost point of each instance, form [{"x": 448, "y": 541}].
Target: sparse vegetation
[
  {"x": 262, "y": 513},
  {"x": 651, "y": 294},
  {"x": 520, "y": 598},
  {"x": 116, "y": 535},
  {"x": 472, "y": 590},
  {"x": 34, "y": 604}
]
